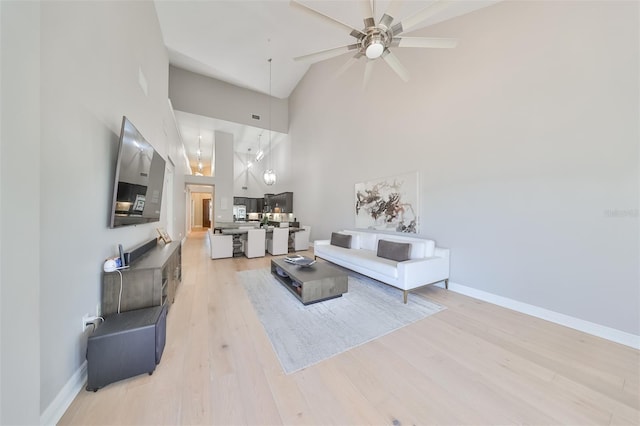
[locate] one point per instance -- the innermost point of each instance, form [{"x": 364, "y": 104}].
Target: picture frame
[
  {"x": 164, "y": 236},
  {"x": 388, "y": 204}
]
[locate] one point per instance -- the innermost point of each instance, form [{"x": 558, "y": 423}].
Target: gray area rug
[{"x": 305, "y": 335}]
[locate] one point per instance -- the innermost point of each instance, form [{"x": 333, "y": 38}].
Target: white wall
[
  {"x": 526, "y": 140},
  {"x": 223, "y": 200},
  {"x": 197, "y": 94},
  {"x": 19, "y": 212},
  {"x": 62, "y": 170},
  {"x": 279, "y": 159}
]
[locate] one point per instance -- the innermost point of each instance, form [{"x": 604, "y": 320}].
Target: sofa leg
[
  {"x": 404, "y": 295},
  {"x": 446, "y": 283}
]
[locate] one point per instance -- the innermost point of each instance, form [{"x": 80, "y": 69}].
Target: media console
[{"x": 150, "y": 280}]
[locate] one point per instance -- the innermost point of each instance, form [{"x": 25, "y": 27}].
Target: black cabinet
[
  {"x": 267, "y": 204},
  {"x": 282, "y": 203},
  {"x": 253, "y": 205}
]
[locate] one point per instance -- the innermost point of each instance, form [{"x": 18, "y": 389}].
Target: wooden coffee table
[{"x": 311, "y": 284}]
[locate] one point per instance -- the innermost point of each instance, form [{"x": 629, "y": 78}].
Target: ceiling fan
[{"x": 376, "y": 40}]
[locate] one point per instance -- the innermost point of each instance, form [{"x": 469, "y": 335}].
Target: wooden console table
[{"x": 151, "y": 280}]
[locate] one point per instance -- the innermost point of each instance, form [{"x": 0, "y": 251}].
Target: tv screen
[{"x": 139, "y": 177}]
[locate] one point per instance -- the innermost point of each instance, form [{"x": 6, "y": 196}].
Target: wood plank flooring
[{"x": 473, "y": 363}]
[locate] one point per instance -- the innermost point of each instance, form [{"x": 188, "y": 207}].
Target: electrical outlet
[
  {"x": 85, "y": 321},
  {"x": 88, "y": 320}
]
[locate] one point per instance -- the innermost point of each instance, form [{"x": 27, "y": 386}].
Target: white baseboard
[
  {"x": 608, "y": 333},
  {"x": 57, "y": 408}
]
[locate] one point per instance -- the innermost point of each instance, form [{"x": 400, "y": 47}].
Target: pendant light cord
[{"x": 270, "y": 160}]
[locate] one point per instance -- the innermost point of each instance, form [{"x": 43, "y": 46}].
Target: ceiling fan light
[
  {"x": 269, "y": 177},
  {"x": 374, "y": 49}
]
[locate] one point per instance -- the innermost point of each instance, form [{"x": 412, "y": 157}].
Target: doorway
[
  {"x": 206, "y": 212},
  {"x": 200, "y": 206}
]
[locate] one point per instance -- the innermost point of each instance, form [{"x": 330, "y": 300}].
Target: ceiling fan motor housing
[{"x": 374, "y": 40}]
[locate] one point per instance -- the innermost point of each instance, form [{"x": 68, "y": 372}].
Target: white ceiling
[{"x": 231, "y": 40}]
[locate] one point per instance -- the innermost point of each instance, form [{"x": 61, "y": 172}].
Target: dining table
[{"x": 238, "y": 232}]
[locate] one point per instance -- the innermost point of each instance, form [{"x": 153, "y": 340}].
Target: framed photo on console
[{"x": 163, "y": 235}]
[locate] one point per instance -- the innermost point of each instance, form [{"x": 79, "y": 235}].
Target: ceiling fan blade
[
  {"x": 354, "y": 31},
  {"x": 348, "y": 64},
  {"x": 326, "y": 54},
  {"x": 392, "y": 9},
  {"x": 417, "y": 18},
  {"x": 368, "y": 70},
  {"x": 395, "y": 65},
  {"x": 367, "y": 8},
  {"x": 438, "y": 43}
]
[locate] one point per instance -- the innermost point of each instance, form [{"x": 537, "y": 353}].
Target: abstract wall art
[{"x": 389, "y": 204}]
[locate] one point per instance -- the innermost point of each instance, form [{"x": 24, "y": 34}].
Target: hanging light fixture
[
  {"x": 269, "y": 174},
  {"x": 199, "y": 154},
  {"x": 260, "y": 152}
]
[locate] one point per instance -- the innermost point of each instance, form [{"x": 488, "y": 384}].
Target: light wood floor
[{"x": 473, "y": 363}]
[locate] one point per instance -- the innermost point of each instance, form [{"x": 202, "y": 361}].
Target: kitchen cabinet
[
  {"x": 253, "y": 205},
  {"x": 283, "y": 201}
]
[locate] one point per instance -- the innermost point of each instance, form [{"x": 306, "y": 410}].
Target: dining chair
[
  {"x": 254, "y": 245},
  {"x": 279, "y": 241}
]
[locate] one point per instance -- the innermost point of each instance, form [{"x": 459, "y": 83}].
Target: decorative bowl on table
[{"x": 298, "y": 260}]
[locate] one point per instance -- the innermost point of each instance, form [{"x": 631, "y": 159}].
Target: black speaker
[{"x": 125, "y": 345}]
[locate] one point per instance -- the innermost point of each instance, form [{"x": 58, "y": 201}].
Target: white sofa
[{"x": 427, "y": 263}]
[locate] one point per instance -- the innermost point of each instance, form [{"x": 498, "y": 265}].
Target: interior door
[{"x": 206, "y": 219}]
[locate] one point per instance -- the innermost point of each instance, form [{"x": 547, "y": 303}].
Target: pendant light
[
  {"x": 199, "y": 155},
  {"x": 260, "y": 153},
  {"x": 269, "y": 174}
]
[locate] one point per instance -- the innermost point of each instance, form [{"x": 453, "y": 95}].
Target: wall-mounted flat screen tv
[{"x": 139, "y": 177}]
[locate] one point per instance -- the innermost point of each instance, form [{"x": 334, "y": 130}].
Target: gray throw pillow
[
  {"x": 340, "y": 240},
  {"x": 393, "y": 251}
]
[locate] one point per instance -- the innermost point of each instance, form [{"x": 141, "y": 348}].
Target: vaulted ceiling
[{"x": 233, "y": 40}]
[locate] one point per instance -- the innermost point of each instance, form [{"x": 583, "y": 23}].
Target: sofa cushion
[
  {"x": 420, "y": 248},
  {"x": 355, "y": 238},
  {"x": 393, "y": 250},
  {"x": 340, "y": 240}
]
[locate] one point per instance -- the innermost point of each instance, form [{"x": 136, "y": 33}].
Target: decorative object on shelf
[
  {"x": 164, "y": 236},
  {"x": 269, "y": 174},
  {"x": 388, "y": 203}
]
